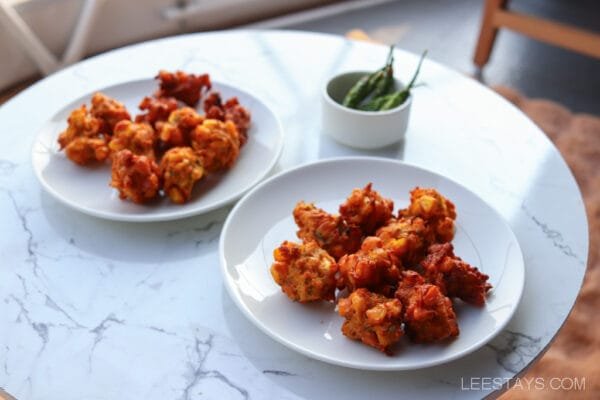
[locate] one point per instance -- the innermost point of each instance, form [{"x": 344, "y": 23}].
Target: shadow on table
[
  {"x": 313, "y": 379},
  {"x": 135, "y": 242}
]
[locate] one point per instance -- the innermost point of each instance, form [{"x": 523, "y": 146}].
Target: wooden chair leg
[{"x": 488, "y": 32}]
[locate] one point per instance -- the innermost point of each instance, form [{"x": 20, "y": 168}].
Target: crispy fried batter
[
  {"x": 139, "y": 138},
  {"x": 231, "y": 110},
  {"x": 434, "y": 208},
  {"x": 217, "y": 143},
  {"x": 180, "y": 168},
  {"x": 304, "y": 271},
  {"x": 428, "y": 314},
  {"x": 135, "y": 177},
  {"x": 408, "y": 238},
  {"x": 109, "y": 110},
  {"x": 184, "y": 87},
  {"x": 82, "y": 140},
  {"x": 178, "y": 128},
  {"x": 330, "y": 232},
  {"x": 157, "y": 109},
  {"x": 367, "y": 209},
  {"x": 372, "y": 267},
  {"x": 455, "y": 277},
  {"x": 372, "y": 318}
]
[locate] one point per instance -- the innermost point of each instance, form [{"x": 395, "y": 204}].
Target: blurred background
[
  {"x": 449, "y": 29},
  {"x": 547, "y": 64}
]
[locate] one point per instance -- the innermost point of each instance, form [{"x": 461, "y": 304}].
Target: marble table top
[{"x": 93, "y": 309}]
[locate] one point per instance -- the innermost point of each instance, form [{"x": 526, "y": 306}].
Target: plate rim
[
  {"x": 148, "y": 218},
  {"x": 366, "y": 367}
]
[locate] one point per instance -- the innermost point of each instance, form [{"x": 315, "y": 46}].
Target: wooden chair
[{"x": 496, "y": 15}]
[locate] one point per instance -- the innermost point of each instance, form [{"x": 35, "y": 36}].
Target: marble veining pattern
[{"x": 93, "y": 309}]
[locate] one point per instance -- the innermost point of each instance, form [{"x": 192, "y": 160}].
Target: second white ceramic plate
[
  {"x": 86, "y": 188},
  {"x": 263, "y": 219}
]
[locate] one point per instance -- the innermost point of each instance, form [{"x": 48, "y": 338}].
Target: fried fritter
[
  {"x": 434, "y": 208},
  {"x": 372, "y": 267},
  {"x": 367, "y": 209},
  {"x": 139, "y": 138},
  {"x": 109, "y": 110},
  {"x": 231, "y": 110},
  {"x": 330, "y": 232},
  {"x": 180, "y": 168},
  {"x": 185, "y": 87},
  {"x": 178, "y": 128},
  {"x": 83, "y": 141},
  {"x": 455, "y": 277},
  {"x": 304, "y": 271},
  {"x": 372, "y": 318},
  {"x": 157, "y": 109},
  {"x": 428, "y": 314},
  {"x": 217, "y": 143},
  {"x": 135, "y": 177},
  {"x": 408, "y": 238}
]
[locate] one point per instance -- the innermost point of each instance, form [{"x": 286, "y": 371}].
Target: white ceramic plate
[
  {"x": 263, "y": 219},
  {"x": 87, "y": 190}
]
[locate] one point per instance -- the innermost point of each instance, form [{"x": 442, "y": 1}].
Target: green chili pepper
[
  {"x": 400, "y": 97},
  {"x": 375, "y": 103},
  {"x": 365, "y": 85},
  {"x": 383, "y": 86}
]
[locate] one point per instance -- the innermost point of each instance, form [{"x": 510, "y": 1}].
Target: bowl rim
[{"x": 377, "y": 113}]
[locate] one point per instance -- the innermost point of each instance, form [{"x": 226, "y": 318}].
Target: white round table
[{"x": 93, "y": 309}]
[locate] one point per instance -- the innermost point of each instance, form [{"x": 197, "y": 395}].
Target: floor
[{"x": 449, "y": 30}]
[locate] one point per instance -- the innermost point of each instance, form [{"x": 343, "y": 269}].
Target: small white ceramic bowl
[{"x": 361, "y": 129}]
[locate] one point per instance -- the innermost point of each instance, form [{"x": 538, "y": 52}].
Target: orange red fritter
[
  {"x": 401, "y": 280},
  {"x": 217, "y": 144},
  {"x": 177, "y": 129},
  {"x": 137, "y": 178},
  {"x": 367, "y": 209},
  {"x": 231, "y": 110},
  {"x": 455, "y": 277},
  {"x": 304, "y": 271},
  {"x": 428, "y": 314},
  {"x": 372, "y": 318},
  {"x": 139, "y": 138},
  {"x": 181, "y": 168},
  {"x": 157, "y": 110},
  {"x": 434, "y": 208},
  {"x": 185, "y": 87},
  {"x": 109, "y": 111},
  {"x": 83, "y": 141},
  {"x": 329, "y": 231},
  {"x": 372, "y": 267}
]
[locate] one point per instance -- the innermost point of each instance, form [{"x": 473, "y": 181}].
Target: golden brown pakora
[
  {"x": 180, "y": 168},
  {"x": 137, "y": 178},
  {"x": 438, "y": 211},
  {"x": 83, "y": 141},
  {"x": 304, "y": 271},
  {"x": 367, "y": 209},
  {"x": 372, "y": 267},
  {"x": 428, "y": 314},
  {"x": 231, "y": 110},
  {"x": 372, "y": 318},
  {"x": 178, "y": 128},
  {"x": 109, "y": 110},
  {"x": 455, "y": 277},
  {"x": 217, "y": 143},
  {"x": 329, "y": 231},
  {"x": 185, "y": 87},
  {"x": 408, "y": 238},
  {"x": 139, "y": 138},
  {"x": 157, "y": 110}
]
